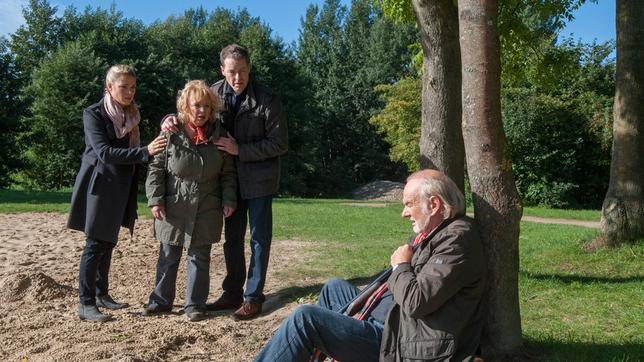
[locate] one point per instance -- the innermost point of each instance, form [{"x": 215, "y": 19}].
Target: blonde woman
[
  {"x": 191, "y": 187},
  {"x": 104, "y": 196}
]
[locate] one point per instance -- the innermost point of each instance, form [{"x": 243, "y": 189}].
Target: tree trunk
[
  {"x": 623, "y": 209},
  {"x": 441, "y": 137},
  {"x": 497, "y": 205}
]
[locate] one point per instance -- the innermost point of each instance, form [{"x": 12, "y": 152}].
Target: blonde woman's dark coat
[{"x": 104, "y": 196}]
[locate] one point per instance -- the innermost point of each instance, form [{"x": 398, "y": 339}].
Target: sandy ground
[{"x": 38, "y": 300}]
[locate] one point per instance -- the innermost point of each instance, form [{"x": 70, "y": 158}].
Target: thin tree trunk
[
  {"x": 623, "y": 209},
  {"x": 497, "y": 205},
  {"x": 441, "y": 137}
]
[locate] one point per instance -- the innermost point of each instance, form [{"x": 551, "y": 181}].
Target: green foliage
[
  {"x": 9, "y": 111},
  {"x": 399, "y": 121},
  {"x": 37, "y": 38},
  {"x": 399, "y": 10},
  {"x": 343, "y": 56},
  {"x": 165, "y": 55},
  {"x": 62, "y": 86},
  {"x": 556, "y": 104},
  {"x": 560, "y": 134}
]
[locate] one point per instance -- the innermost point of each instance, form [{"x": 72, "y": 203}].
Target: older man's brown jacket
[{"x": 437, "y": 314}]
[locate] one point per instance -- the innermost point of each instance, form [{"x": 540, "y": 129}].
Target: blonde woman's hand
[
  {"x": 170, "y": 124},
  {"x": 157, "y": 145},
  {"x": 158, "y": 211},
  {"x": 228, "y": 210}
]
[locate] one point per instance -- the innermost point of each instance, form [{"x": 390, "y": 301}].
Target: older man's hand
[{"x": 402, "y": 255}]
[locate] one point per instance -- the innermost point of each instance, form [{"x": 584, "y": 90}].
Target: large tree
[
  {"x": 497, "y": 205},
  {"x": 441, "y": 140},
  {"x": 623, "y": 209}
]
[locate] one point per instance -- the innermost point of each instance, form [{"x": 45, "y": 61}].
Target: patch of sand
[{"x": 38, "y": 299}]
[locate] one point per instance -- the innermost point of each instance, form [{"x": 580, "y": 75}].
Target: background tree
[
  {"x": 497, "y": 205},
  {"x": 9, "y": 111},
  {"x": 343, "y": 70},
  {"x": 399, "y": 121},
  {"x": 623, "y": 209},
  {"x": 62, "y": 86},
  {"x": 441, "y": 138},
  {"x": 37, "y": 38}
]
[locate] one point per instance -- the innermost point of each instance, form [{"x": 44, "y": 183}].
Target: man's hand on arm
[
  {"x": 169, "y": 123},
  {"x": 228, "y": 145},
  {"x": 402, "y": 255}
]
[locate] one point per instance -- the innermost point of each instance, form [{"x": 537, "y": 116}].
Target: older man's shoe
[
  {"x": 224, "y": 302},
  {"x": 155, "y": 309},
  {"x": 195, "y": 314},
  {"x": 91, "y": 313},
  {"x": 106, "y": 301},
  {"x": 248, "y": 310}
]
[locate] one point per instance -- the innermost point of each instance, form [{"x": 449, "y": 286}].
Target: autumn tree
[
  {"x": 497, "y": 205},
  {"x": 623, "y": 209}
]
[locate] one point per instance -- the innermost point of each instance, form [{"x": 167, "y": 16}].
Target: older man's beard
[{"x": 421, "y": 224}]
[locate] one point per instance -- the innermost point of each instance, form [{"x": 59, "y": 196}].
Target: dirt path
[
  {"x": 544, "y": 220},
  {"x": 38, "y": 300}
]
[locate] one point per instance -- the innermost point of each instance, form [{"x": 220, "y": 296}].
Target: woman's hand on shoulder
[
  {"x": 158, "y": 212},
  {"x": 228, "y": 210},
  {"x": 170, "y": 124},
  {"x": 157, "y": 145}
]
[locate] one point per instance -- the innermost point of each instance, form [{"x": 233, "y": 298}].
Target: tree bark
[
  {"x": 623, "y": 209},
  {"x": 441, "y": 137},
  {"x": 497, "y": 205}
]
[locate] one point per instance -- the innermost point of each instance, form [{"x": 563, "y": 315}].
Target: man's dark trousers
[{"x": 258, "y": 213}]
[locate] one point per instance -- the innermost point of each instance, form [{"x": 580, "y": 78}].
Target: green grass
[
  {"x": 575, "y": 305},
  {"x": 584, "y": 215},
  {"x": 579, "y": 305},
  {"x": 12, "y": 201}
]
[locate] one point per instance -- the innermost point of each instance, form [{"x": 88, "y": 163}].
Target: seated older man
[{"x": 428, "y": 309}]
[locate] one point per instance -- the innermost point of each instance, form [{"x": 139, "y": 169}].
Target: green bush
[{"x": 557, "y": 156}]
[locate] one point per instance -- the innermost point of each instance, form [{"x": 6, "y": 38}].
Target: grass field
[{"x": 575, "y": 305}]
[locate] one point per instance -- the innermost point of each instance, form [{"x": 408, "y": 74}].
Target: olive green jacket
[{"x": 193, "y": 182}]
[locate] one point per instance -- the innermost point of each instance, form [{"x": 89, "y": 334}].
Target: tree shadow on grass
[
  {"x": 287, "y": 295},
  {"x": 568, "y": 279},
  {"x": 548, "y": 350}
]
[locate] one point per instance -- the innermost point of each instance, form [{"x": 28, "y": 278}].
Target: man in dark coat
[
  {"x": 428, "y": 310},
  {"x": 257, "y": 136}
]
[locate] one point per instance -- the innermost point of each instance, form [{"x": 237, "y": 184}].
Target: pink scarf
[{"x": 124, "y": 120}]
